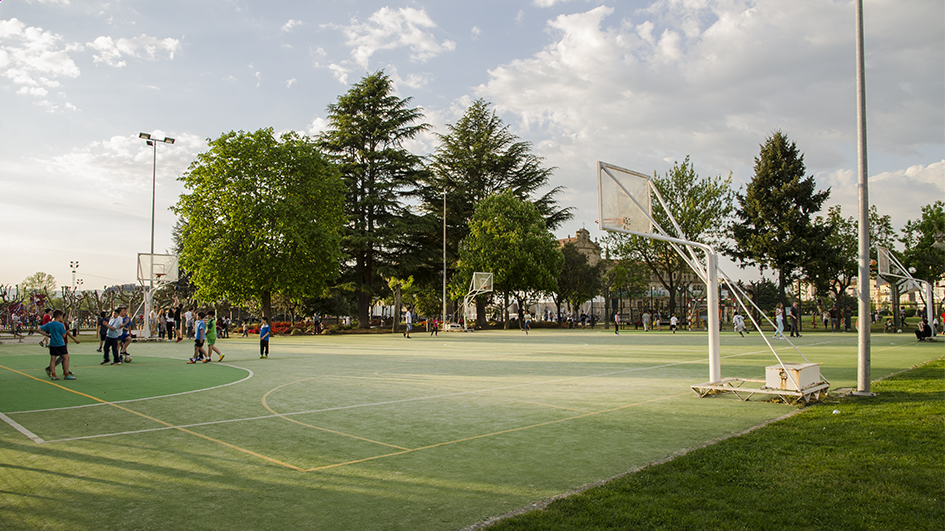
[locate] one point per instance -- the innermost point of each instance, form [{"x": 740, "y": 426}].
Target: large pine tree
[
  {"x": 775, "y": 227},
  {"x": 369, "y": 125}
]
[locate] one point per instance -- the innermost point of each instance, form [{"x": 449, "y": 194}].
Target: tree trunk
[
  {"x": 505, "y": 312},
  {"x": 396, "y": 316},
  {"x": 481, "y": 320},
  {"x": 266, "y": 303}
]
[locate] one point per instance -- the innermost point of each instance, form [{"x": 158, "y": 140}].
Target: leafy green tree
[
  {"x": 368, "y": 126},
  {"x": 578, "y": 281},
  {"x": 39, "y": 282},
  {"x": 924, "y": 242},
  {"x": 774, "y": 227},
  {"x": 261, "y": 216},
  {"x": 509, "y": 238},
  {"x": 476, "y": 158},
  {"x": 834, "y": 271},
  {"x": 702, "y": 206}
]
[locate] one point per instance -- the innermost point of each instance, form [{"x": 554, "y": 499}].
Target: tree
[
  {"x": 774, "y": 227},
  {"x": 262, "y": 216},
  {"x": 701, "y": 206},
  {"x": 578, "y": 281},
  {"x": 835, "y": 269},
  {"x": 368, "y": 126},
  {"x": 39, "y": 282},
  {"x": 476, "y": 158},
  {"x": 923, "y": 241},
  {"x": 509, "y": 238}
]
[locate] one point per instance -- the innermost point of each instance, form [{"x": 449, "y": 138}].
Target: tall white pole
[
  {"x": 863, "y": 251},
  {"x": 712, "y": 298},
  {"x": 444, "y": 259}
]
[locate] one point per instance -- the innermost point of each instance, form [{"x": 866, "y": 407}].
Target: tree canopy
[
  {"x": 39, "y": 282},
  {"x": 508, "y": 237},
  {"x": 261, "y": 216},
  {"x": 368, "y": 126},
  {"x": 774, "y": 227},
  {"x": 702, "y": 206}
]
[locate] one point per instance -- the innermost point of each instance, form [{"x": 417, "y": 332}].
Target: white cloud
[
  {"x": 389, "y": 29},
  {"x": 289, "y": 83},
  {"x": 291, "y": 24},
  {"x": 713, "y": 78},
  {"x": 475, "y": 32},
  {"x": 258, "y": 78},
  {"x": 34, "y": 58},
  {"x": 112, "y": 52}
]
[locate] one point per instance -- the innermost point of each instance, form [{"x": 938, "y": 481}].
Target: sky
[{"x": 636, "y": 83}]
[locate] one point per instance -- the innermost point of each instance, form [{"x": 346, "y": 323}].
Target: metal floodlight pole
[
  {"x": 153, "y": 142},
  {"x": 444, "y": 259},
  {"x": 863, "y": 250}
]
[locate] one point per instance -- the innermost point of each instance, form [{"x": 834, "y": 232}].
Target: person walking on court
[
  {"x": 212, "y": 335},
  {"x": 673, "y": 321},
  {"x": 528, "y": 322},
  {"x": 795, "y": 320},
  {"x": 264, "y": 339},
  {"x": 435, "y": 328},
  {"x": 646, "y": 321},
  {"x": 779, "y": 320},
  {"x": 617, "y": 323},
  {"x": 409, "y": 324},
  {"x": 112, "y": 336},
  {"x": 57, "y": 337}
]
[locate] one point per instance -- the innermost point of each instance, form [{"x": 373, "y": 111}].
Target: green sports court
[{"x": 367, "y": 432}]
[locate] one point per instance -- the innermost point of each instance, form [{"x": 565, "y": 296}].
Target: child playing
[
  {"x": 264, "y": 339},
  {"x": 673, "y": 322},
  {"x": 739, "y": 323},
  {"x": 57, "y": 336},
  {"x": 200, "y": 335},
  {"x": 212, "y": 335}
]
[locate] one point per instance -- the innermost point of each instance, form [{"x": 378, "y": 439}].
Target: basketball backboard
[
  {"x": 157, "y": 267},
  {"x": 624, "y": 199}
]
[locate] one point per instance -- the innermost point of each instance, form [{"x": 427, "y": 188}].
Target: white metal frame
[
  {"x": 479, "y": 284},
  {"x": 708, "y": 273},
  {"x": 146, "y": 274},
  {"x": 885, "y": 259}
]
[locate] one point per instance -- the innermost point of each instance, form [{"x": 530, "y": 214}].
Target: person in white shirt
[{"x": 738, "y": 322}]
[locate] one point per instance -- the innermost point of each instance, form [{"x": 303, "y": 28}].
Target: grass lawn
[
  {"x": 378, "y": 432},
  {"x": 849, "y": 463}
]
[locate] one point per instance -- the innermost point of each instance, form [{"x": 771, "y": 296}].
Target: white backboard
[
  {"x": 157, "y": 267},
  {"x": 624, "y": 199}
]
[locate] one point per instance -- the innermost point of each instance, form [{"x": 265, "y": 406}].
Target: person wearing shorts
[
  {"x": 212, "y": 335},
  {"x": 200, "y": 336},
  {"x": 57, "y": 335}
]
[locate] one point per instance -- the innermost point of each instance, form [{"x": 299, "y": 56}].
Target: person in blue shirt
[
  {"x": 264, "y": 339},
  {"x": 58, "y": 336},
  {"x": 200, "y": 335}
]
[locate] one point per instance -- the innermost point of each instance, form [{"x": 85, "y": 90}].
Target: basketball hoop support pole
[{"x": 712, "y": 298}]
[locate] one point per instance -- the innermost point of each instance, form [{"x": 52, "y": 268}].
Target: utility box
[{"x": 799, "y": 376}]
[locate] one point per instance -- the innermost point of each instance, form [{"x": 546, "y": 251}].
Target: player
[
  {"x": 264, "y": 339},
  {"x": 673, "y": 322},
  {"x": 738, "y": 322},
  {"x": 212, "y": 335},
  {"x": 46, "y": 319},
  {"x": 125, "y": 338},
  {"x": 200, "y": 335},
  {"x": 57, "y": 337},
  {"x": 528, "y": 322},
  {"x": 617, "y": 323},
  {"x": 409, "y": 326}
]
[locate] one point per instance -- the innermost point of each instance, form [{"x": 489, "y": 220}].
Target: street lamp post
[
  {"x": 444, "y": 259},
  {"x": 153, "y": 142}
]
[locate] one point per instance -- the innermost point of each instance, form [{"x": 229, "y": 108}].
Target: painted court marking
[{"x": 185, "y": 428}]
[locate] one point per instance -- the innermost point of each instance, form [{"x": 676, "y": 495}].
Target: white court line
[
  {"x": 406, "y": 400},
  {"x": 251, "y": 374},
  {"x": 401, "y": 401},
  {"x": 18, "y": 427}
]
